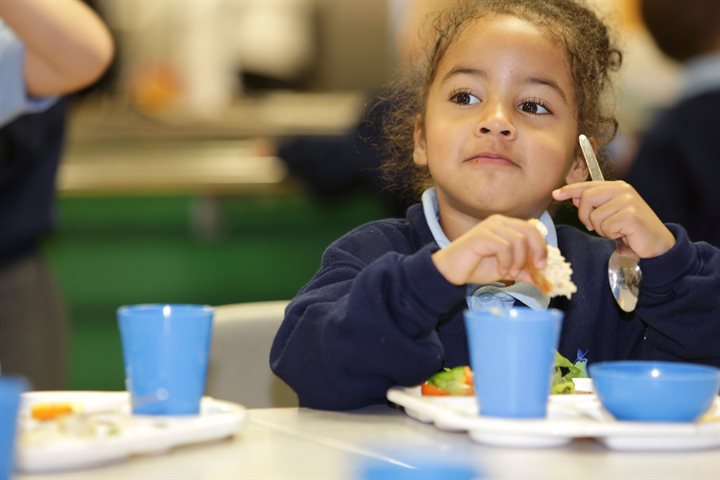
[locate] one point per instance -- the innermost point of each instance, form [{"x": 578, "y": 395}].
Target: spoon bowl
[{"x": 624, "y": 276}]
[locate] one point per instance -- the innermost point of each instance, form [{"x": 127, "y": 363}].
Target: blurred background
[{"x": 171, "y": 188}]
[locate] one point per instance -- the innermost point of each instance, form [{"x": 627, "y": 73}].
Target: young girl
[{"x": 509, "y": 86}]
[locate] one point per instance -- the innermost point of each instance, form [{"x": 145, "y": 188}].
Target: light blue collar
[
  {"x": 482, "y": 297},
  {"x": 701, "y": 75}
]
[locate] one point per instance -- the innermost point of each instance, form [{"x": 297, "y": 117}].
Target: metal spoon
[{"x": 624, "y": 274}]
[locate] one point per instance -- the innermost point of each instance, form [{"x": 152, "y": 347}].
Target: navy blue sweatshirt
[
  {"x": 378, "y": 313},
  {"x": 30, "y": 151}
]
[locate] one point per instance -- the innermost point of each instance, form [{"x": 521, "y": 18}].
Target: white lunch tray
[
  {"x": 569, "y": 417},
  {"x": 138, "y": 434}
]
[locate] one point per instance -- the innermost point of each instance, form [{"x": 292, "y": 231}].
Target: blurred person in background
[
  {"x": 341, "y": 164},
  {"x": 677, "y": 166},
  {"x": 185, "y": 60},
  {"x": 47, "y": 49}
]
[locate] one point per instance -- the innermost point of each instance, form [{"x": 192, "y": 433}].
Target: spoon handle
[
  {"x": 596, "y": 175},
  {"x": 590, "y": 159},
  {"x": 624, "y": 274}
]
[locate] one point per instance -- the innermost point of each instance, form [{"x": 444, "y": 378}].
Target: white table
[{"x": 304, "y": 443}]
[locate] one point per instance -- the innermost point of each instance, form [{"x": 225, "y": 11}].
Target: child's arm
[
  {"x": 677, "y": 314},
  {"x": 365, "y": 322},
  {"x": 67, "y": 45},
  {"x": 680, "y": 304},
  {"x": 615, "y": 210}
]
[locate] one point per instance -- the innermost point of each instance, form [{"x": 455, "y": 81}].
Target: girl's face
[{"x": 499, "y": 131}]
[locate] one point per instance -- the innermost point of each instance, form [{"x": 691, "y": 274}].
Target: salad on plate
[{"x": 458, "y": 381}]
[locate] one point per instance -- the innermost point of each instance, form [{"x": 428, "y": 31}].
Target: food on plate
[
  {"x": 564, "y": 371},
  {"x": 449, "y": 381},
  {"x": 710, "y": 416},
  {"x": 556, "y": 278},
  {"x": 47, "y": 422},
  {"x": 51, "y": 411},
  {"x": 458, "y": 381}
]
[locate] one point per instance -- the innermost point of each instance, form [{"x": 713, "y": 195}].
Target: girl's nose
[{"x": 495, "y": 121}]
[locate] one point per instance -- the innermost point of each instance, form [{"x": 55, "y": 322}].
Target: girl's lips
[{"x": 491, "y": 158}]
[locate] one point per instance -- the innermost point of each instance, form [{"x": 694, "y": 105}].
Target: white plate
[
  {"x": 569, "y": 417},
  {"x": 116, "y": 435},
  {"x": 584, "y": 385}
]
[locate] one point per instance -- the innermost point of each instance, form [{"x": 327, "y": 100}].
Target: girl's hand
[
  {"x": 498, "y": 248},
  {"x": 615, "y": 210}
]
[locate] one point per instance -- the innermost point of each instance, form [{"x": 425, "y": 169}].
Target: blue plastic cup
[
  {"x": 11, "y": 389},
  {"x": 165, "y": 350},
  {"x": 416, "y": 463},
  {"x": 512, "y": 357}
]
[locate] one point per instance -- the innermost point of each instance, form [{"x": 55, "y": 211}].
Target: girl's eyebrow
[
  {"x": 478, "y": 72},
  {"x": 550, "y": 83}
]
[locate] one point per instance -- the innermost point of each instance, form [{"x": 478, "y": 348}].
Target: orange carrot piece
[{"x": 50, "y": 411}]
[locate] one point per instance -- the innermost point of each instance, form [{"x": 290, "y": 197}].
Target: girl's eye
[
  {"x": 534, "y": 107},
  {"x": 464, "y": 98}
]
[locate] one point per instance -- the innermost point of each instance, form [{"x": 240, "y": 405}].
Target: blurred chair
[{"x": 239, "y": 369}]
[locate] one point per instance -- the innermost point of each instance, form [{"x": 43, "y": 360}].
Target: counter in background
[
  {"x": 112, "y": 150},
  {"x": 165, "y": 167},
  {"x": 268, "y": 115}
]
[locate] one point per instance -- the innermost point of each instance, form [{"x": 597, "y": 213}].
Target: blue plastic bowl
[{"x": 655, "y": 391}]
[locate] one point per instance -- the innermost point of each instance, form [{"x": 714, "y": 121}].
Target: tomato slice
[
  {"x": 430, "y": 389},
  {"x": 468, "y": 376},
  {"x": 459, "y": 385}
]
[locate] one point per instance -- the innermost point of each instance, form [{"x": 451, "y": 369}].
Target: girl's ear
[
  {"x": 420, "y": 149},
  {"x": 578, "y": 171}
]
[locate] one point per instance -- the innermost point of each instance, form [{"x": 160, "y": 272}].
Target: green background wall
[{"x": 114, "y": 251}]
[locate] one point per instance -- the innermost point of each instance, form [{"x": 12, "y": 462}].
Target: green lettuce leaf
[
  {"x": 564, "y": 372},
  {"x": 451, "y": 380}
]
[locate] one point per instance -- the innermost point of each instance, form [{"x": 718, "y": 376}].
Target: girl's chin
[{"x": 483, "y": 209}]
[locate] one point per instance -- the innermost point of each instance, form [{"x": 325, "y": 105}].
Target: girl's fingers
[
  {"x": 498, "y": 248},
  {"x": 537, "y": 245},
  {"x": 601, "y": 190},
  {"x": 589, "y": 197},
  {"x": 611, "y": 218},
  {"x": 509, "y": 230},
  {"x": 502, "y": 249},
  {"x": 642, "y": 230},
  {"x": 528, "y": 245},
  {"x": 573, "y": 190},
  {"x": 520, "y": 250},
  {"x": 599, "y": 196},
  {"x": 614, "y": 210}
]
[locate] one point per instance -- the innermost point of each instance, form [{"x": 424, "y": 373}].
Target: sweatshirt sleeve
[
  {"x": 680, "y": 301},
  {"x": 362, "y": 326}
]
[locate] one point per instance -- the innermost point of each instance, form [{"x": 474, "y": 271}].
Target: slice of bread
[{"x": 556, "y": 278}]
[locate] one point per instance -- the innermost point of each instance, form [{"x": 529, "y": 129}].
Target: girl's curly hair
[{"x": 591, "y": 56}]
